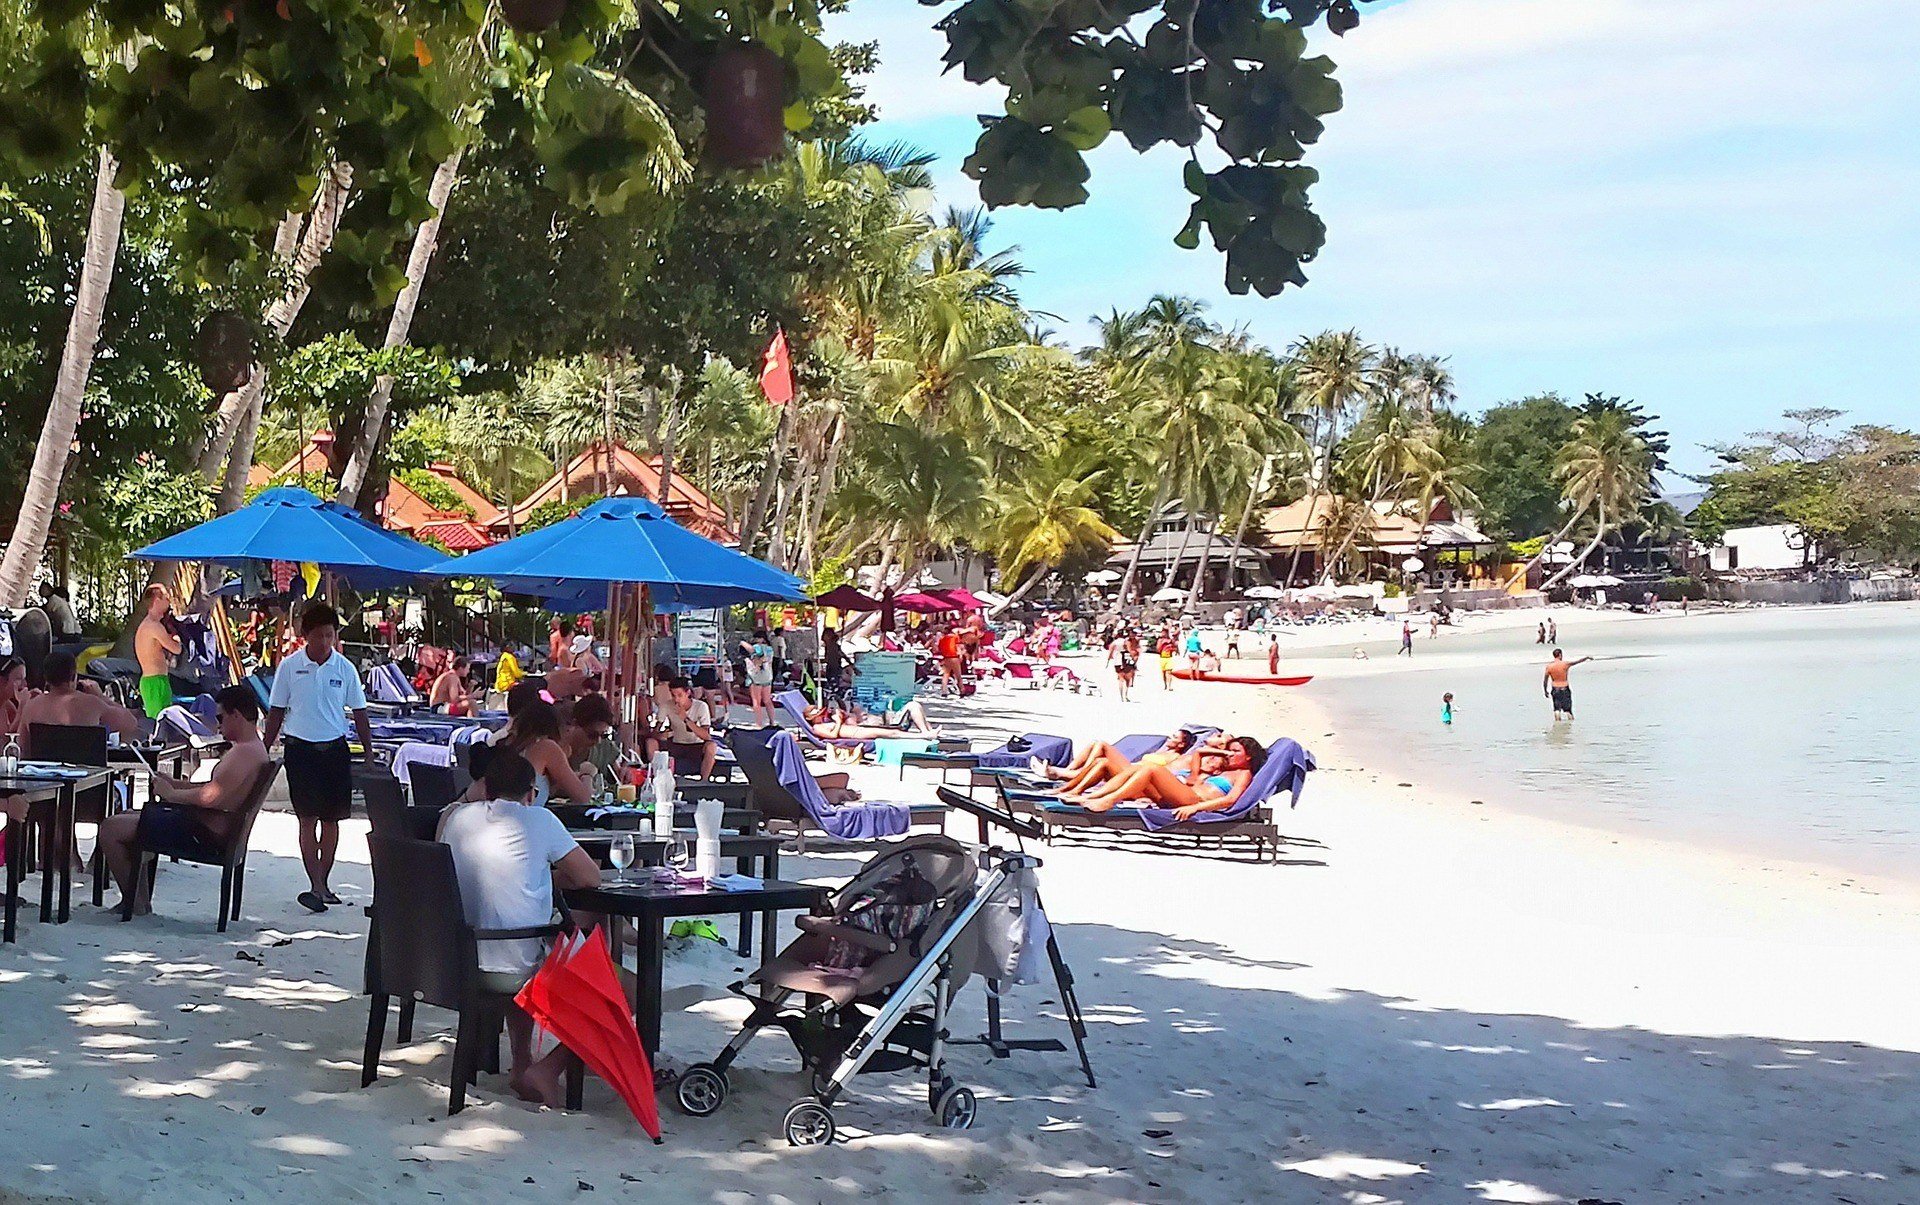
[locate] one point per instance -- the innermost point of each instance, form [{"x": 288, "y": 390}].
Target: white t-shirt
[
  {"x": 317, "y": 697},
  {"x": 680, "y": 728},
  {"x": 503, "y": 853}
]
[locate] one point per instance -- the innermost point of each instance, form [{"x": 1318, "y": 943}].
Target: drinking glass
[
  {"x": 678, "y": 855},
  {"x": 621, "y": 855}
]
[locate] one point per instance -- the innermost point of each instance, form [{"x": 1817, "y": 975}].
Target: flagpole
[{"x": 776, "y": 383}]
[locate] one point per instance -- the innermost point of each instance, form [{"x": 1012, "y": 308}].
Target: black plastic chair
[
  {"x": 230, "y": 856},
  {"x": 79, "y": 745},
  {"x": 433, "y": 786},
  {"x": 422, "y": 950},
  {"x": 389, "y": 814}
]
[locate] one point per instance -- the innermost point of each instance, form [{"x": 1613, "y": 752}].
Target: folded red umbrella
[{"x": 576, "y": 997}]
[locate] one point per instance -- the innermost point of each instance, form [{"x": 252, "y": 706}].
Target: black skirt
[{"x": 319, "y": 778}]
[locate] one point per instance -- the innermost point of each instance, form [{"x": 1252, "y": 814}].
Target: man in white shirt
[
  {"x": 689, "y": 730},
  {"x": 313, "y": 690},
  {"x": 509, "y": 856}
]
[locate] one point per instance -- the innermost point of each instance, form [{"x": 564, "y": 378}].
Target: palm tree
[
  {"x": 1045, "y": 518},
  {"x": 591, "y": 401},
  {"x": 1332, "y": 372},
  {"x": 1157, "y": 362},
  {"x": 1606, "y": 468},
  {"x": 919, "y": 490},
  {"x": 1396, "y": 446},
  {"x": 489, "y": 436},
  {"x": 42, "y": 493}
]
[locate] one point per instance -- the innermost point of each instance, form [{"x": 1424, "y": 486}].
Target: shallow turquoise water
[{"x": 1789, "y": 732}]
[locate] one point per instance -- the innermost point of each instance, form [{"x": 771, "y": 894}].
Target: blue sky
[{"x": 1712, "y": 207}]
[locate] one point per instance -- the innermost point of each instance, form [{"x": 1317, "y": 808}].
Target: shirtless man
[
  {"x": 67, "y": 701},
  {"x": 192, "y": 817},
  {"x": 1556, "y": 685},
  {"x": 156, "y": 646},
  {"x": 450, "y": 695}
]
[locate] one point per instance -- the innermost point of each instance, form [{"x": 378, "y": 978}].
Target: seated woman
[
  {"x": 1222, "y": 777},
  {"x": 534, "y": 733},
  {"x": 1100, "y": 761}
]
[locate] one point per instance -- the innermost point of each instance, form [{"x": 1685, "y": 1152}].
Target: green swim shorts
[{"x": 156, "y": 693}]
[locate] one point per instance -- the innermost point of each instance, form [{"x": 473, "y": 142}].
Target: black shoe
[
  {"x": 310, "y": 901},
  {"x": 330, "y": 897}
]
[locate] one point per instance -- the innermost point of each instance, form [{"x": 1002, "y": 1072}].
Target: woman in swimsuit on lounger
[
  {"x": 1099, "y": 762},
  {"x": 1218, "y": 783}
]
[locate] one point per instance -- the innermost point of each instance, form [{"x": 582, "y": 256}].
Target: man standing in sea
[{"x": 1556, "y": 685}]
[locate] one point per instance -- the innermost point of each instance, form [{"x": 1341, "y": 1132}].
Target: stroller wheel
[
  {"x": 956, "y": 1109},
  {"x": 702, "y": 1090},
  {"x": 809, "y": 1123},
  {"x": 937, "y": 1091}
]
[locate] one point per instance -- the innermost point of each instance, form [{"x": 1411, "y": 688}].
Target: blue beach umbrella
[
  {"x": 624, "y": 542},
  {"x": 287, "y": 523}
]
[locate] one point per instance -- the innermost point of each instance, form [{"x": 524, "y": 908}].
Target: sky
[{"x": 1710, "y": 207}]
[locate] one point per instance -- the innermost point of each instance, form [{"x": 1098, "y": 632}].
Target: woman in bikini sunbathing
[
  {"x": 1221, "y": 778},
  {"x": 1099, "y": 762}
]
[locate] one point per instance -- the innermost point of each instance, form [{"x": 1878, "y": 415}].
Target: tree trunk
[
  {"x": 666, "y": 465},
  {"x": 1555, "y": 538},
  {"x": 1199, "y": 585},
  {"x": 360, "y": 458},
  {"x": 29, "y": 540},
  {"x": 212, "y": 452},
  {"x": 763, "y": 497},
  {"x": 1253, "y": 500},
  {"x": 887, "y": 551},
  {"x": 322, "y": 221},
  {"x": 1323, "y": 468},
  {"x": 1599, "y": 534},
  {"x": 1038, "y": 576},
  {"x": 829, "y": 471},
  {"x": 1146, "y": 530},
  {"x": 1186, "y": 538}
]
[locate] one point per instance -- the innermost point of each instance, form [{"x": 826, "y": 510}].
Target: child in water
[{"x": 1446, "y": 708}]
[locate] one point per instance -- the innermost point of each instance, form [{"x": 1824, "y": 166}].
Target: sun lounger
[
  {"x": 784, "y": 791},
  {"x": 795, "y": 705},
  {"x": 1249, "y": 819}
]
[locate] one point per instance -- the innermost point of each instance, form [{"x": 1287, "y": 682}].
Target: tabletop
[
  {"x": 656, "y": 899},
  {"x": 28, "y": 776}
]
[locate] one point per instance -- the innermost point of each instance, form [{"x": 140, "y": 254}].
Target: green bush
[
  {"x": 434, "y": 491},
  {"x": 1673, "y": 589},
  {"x": 1392, "y": 590}
]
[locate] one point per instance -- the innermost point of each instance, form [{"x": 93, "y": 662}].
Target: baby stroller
[{"x": 867, "y": 989}]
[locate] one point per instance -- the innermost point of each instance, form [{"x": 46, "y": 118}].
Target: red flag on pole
[{"x": 776, "y": 371}]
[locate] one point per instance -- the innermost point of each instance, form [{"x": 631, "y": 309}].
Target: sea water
[{"x": 1787, "y": 732}]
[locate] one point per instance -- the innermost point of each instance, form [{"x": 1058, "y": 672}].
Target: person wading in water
[{"x": 1555, "y": 683}]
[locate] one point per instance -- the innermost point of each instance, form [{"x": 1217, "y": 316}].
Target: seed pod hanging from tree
[
  {"x": 224, "y": 351},
  {"x": 745, "y": 96}
]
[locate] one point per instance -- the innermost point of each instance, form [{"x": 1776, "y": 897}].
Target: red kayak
[{"x": 1247, "y": 679}]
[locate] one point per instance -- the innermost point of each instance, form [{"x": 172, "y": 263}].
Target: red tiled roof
[
  {"x": 631, "y": 474},
  {"x": 459, "y": 535}
]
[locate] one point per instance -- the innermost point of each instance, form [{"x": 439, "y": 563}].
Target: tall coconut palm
[
  {"x": 591, "y": 401},
  {"x": 1605, "y": 469},
  {"x": 491, "y": 441},
  {"x": 1394, "y": 445},
  {"x": 1333, "y": 372},
  {"x": 921, "y": 489},
  {"x": 1045, "y": 518},
  {"x": 42, "y": 491}
]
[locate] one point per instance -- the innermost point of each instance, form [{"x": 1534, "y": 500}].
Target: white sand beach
[{"x": 1427, "y": 1000}]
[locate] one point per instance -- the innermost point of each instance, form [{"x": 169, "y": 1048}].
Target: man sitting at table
[
  {"x": 689, "y": 730},
  {"x": 195, "y": 819},
  {"x": 509, "y": 856},
  {"x": 450, "y": 695},
  {"x": 67, "y": 700}
]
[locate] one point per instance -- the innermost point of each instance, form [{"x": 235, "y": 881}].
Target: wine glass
[
  {"x": 621, "y": 855},
  {"x": 678, "y": 855}
]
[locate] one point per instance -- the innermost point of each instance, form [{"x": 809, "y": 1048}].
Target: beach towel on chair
[{"x": 861, "y": 821}]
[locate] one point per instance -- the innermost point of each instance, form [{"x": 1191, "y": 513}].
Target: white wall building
[{"x": 1774, "y": 546}]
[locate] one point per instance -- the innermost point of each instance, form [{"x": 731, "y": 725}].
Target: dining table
[
  {"x": 752, "y": 853},
  {"x": 645, "y": 905},
  {"x": 49, "y": 790}
]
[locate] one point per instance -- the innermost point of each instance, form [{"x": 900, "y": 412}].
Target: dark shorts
[
  {"x": 1563, "y": 699},
  {"x": 686, "y": 757},
  {"x": 176, "y": 833},
  {"x": 319, "y": 778}
]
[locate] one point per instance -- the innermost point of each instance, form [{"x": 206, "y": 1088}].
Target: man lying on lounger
[
  {"x": 1100, "y": 762},
  {"x": 1216, "y": 785}
]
